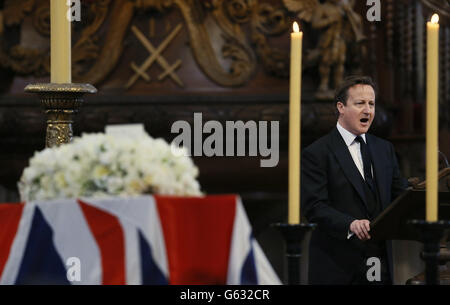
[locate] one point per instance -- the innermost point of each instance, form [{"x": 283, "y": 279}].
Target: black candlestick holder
[
  {"x": 431, "y": 233},
  {"x": 294, "y": 235}
]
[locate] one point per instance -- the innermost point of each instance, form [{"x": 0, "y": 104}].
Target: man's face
[{"x": 357, "y": 115}]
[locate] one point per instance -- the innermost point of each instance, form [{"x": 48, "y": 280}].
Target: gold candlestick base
[{"x": 61, "y": 103}]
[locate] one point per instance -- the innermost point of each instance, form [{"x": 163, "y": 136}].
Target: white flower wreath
[{"x": 99, "y": 165}]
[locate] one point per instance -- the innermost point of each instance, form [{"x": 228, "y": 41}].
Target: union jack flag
[{"x": 150, "y": 240}]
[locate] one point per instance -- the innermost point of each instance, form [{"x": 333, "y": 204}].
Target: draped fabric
[{"x": 154, "y": 240}]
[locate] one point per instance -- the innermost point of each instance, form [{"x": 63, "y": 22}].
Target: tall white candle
[
  {"x": 60, "y": 49},
  {"x": 432, "y": 166},
  {"x": 295, "y": 124}
]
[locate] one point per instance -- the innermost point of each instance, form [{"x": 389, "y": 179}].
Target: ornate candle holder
[
  {"x": 294, "y": 235},
  {"x": 61, "y": 103},
  {"x": 431, "y": 233}
]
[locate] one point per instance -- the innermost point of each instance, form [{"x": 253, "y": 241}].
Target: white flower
[{"x": 100, "y": 165}]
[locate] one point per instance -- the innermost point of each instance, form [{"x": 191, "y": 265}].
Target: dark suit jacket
[{"x": 332, "y": 196}]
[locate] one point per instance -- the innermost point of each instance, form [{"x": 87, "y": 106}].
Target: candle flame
[
  {"x": 295, "y": 27},
  {"x": 435, "y": 19}
]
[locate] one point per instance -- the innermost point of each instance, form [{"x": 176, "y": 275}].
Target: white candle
[
  {"x": 60, "y": 49},
  {"x": 294, "y": 125},
  {"x": 432, "y": 166}
]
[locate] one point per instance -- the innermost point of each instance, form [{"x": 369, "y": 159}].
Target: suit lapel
[
  {"x": 379, "y": 166},
  {"x": 340, "y": 150}
]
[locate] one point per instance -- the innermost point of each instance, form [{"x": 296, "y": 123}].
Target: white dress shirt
[{"x": 353, "y": 146}]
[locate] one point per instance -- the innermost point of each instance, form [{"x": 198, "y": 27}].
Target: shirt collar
[{"x": 347, "y": 135}]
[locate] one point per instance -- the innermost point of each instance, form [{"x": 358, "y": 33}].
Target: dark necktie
[
  {"x": 367, "y": 163},
  {"x": 372, "y": 248}
]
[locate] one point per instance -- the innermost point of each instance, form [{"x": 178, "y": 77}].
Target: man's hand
[{"x": 361, "y": 228}]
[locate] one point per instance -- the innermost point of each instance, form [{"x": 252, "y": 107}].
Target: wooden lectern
[{"x": 392, "y": 223}]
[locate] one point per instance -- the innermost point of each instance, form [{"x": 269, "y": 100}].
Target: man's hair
[{"x": 341, "y": 94}]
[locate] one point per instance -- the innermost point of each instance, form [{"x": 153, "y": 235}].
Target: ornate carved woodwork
[
  {"x": 340, "y": 27},
  {"x": 232, "y": 58},
  {"x": 97, "y": 51}
]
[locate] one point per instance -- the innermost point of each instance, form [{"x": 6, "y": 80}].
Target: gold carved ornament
[
  {"x": 155, "y": 55},
  {"x": 94, "y": 58},
  {"x": 339, "y": 26}
]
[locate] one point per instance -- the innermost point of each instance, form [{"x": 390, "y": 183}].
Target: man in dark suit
[{"x": 348, "y": 178}]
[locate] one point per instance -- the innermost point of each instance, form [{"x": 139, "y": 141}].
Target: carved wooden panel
[{"x": 226, "y": 59}]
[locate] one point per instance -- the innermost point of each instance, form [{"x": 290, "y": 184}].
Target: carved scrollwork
[
  {"x": 158, "y": 5},
  {"x": 264, "y": 20},
  {"x": 121, "y": 13},
  {"x": 239, "y": 57},
  {"x": 270, "y": 21},
  {"x": 86, "y": 48},
  {"x": 94, "y": 58},
  {"x": 21, "y": 60},
  {"x": 41, "y": 20},
  {"x": 15, "y": 11},
  {"x": 25, "y": 61},
  {"x": 236, "y": 46},
  {"x": 239, "y": 11},
  {"x": 275, "y": 61}
]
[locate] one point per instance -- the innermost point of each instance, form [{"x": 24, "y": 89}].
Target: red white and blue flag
[{"x": 150, "y": 240}]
